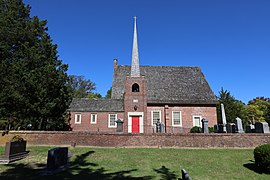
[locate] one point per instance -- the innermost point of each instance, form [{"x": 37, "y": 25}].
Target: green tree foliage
[
  {"x": 33, "y": 81},
  {"x": 82, "y": 88},
  {"x": 259, "y": 109},
  {"x": 109, "y": 94},
  {"x": 233, "y": 107}
]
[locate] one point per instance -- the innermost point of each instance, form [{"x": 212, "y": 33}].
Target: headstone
[
  {"x": 231, "y": 128},
  {"x": 221, "y": 128},
  {"x": 57, "y": 157},
  {"x": 224, "y": 121},
  {"x": 250, "y": 128},
  {"x": 239, "y": 125},
  {"x": 119, "y": 126},
  {"x": 261, "y": 127},
  {"x": 185, "y": 175},
  {"x": 205, "y": 125},
  {"x": 216, "y": 128},
  {"x": 158, "y": 126}
]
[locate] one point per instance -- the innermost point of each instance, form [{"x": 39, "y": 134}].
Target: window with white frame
[
  {"x": 112, "y": 120},
  {"x": 93, "y": 118},
  {"x": 156, "y": 116},
  {"x": 78, "y": 118},
  {"x": 197, "y": 121},
  {"x": 176, "y": 118}
]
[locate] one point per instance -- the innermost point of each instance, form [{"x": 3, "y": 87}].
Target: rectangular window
[
  {"x": 156, "y": 116},
  {"x": 176, "y": 118},
  {"x": 93, "y": 118},
  {"x": 197, "y": 121},
  {"x": 78, "y": 118},
  {"x": 112, "y": 120}
]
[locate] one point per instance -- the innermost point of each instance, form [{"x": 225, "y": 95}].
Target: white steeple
[{"x": 135, "y": 66}]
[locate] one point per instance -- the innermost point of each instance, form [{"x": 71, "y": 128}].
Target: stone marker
[
  {"x": 239, "y": 125},
  {"x": 119, "y": 126},
  {"x": 261, "y": 127},
  {"x": 231, "y": 128},
  {"x": 205, "y": 125},
  {"x": 57, "y": 157},
  {"x": 250, "y": 128},
  {"x": 185, "y": 175},
  {"x": 224, "y": 121}
]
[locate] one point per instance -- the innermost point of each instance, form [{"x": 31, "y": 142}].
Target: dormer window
[{"x": 135, "y": 88}]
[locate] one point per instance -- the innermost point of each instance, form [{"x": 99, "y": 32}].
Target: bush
[
  {"x": 196, "y": 129},
  {"x": 17, "y": 138},
  {"x": 211, "y": 129},
  {"x": 262, "y": 157}
]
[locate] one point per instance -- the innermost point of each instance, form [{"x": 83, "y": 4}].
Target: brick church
[{"x": 177, "y": 97}]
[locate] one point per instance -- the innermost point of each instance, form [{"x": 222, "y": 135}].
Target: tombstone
[
  {"x": 158, "y": 126},
  {"x": 250, "y": 128},
  {"x": 216, "y": 128},
  {"x": 205, "y": 125},
  {"x": 239, "y": 126},
  {"x": 223, "y": 115},
  {"x": 57, "y": 158},
  {"x": 185, "y": 175},
  {"x": 221, "y": 128},
  {"x": 231, "y": 128},
  {"x": 162, "y": 127},
  {"x": 119, "y": 126},
  {"x": 261, "y": 127}
]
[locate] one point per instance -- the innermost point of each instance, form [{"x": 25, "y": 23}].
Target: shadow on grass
[
  {"x": 253, "y": 167},
  {"x": 79, "y": 168},
  {"x": 165, "y": 173}
]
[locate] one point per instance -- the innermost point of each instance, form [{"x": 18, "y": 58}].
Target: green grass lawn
[{"x": 138, "y": 163}]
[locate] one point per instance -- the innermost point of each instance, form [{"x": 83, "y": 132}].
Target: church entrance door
[{"x": 135, "y": 124}]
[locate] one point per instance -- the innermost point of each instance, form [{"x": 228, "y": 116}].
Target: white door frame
[{"x": 130, "y": 114}]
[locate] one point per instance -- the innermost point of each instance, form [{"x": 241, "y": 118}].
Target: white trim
[
  {"x": 93, "y": 122},
  {"x": 193, "y": 119},
  {"x": 177, "y": 125},
  {"x": 130, "y": 114},
  {"x": 78, "y": 121},
  {"x": 152, "y": 112},
  {"x": 109, "y": 117}
]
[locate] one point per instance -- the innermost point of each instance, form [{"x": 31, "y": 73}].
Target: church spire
[{"x": 135, "y": 67}]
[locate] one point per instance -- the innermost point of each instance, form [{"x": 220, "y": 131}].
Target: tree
[
  {"x": 259, "y": 109},
  {"x": 82, "y": 88},
  {"x": 33, "y": 80},
  {"x": 233, "y": 107},
  {"x": 109, "y": 94}
]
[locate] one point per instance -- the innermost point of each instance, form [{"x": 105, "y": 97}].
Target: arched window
[{"x": 135, "y": 88}]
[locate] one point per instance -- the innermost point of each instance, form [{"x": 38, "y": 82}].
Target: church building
[{"x": 143, "y": 97}]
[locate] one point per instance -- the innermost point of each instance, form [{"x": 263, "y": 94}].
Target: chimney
[{"x": 114, "y": 64}]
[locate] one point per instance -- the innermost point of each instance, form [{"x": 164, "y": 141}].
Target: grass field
[{"x": 138, "y": 163}]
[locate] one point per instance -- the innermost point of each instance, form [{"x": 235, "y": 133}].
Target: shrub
[
  {"x": 196, "y": 129},
  {"x": 262, "y": 157},
  {"x": 17, "y": 138},
  {"x": 211, "y": 129}
]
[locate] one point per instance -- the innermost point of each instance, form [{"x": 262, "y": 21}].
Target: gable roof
[
  {"x": 96, "y": 105},
  {"x": 168, "y": 85}
]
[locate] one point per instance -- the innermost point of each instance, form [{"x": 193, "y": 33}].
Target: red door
[{"x": 135, "y": 124}]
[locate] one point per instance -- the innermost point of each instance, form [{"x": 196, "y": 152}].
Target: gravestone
[
  {"x": 57, "y": 157},
  {"x": 223, "y": 115},
  {"x": 158, "y": 126},
  {"x": 239, "y": 125},
  {"x": 119, "y": 126},
  {"x": 250, "y": 128},
  {"x": 205, "y": 125},
  {"x": 261, "y": 127},
  {"x": 216, "y": 128},
  {"x": 231, "y": 128},
  {"x": 14, "y": 150},
  {"x": 185, "y": 175}
]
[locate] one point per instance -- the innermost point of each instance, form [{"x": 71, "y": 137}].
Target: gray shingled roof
[
  {"x": 96, "y": 105},
  {"x": 168, "y": 84}
]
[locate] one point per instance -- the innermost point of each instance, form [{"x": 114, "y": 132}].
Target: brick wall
[
  {"x": 101, "y": 123},
  {"x": 140, "y": 140}
]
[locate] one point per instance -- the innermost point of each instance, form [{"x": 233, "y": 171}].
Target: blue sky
[{"x": 228, "y": 39}]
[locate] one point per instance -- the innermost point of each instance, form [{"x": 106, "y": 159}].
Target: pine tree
[{"x": 33, "y": 80}]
